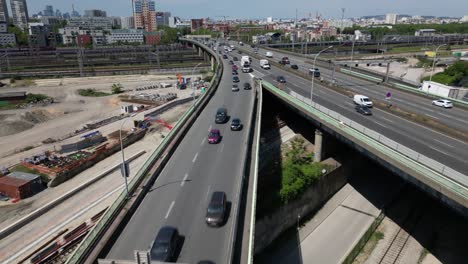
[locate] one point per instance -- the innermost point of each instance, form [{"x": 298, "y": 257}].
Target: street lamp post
[
  {"x": 433, "y": 62},
  {"x": 124, "y": 166},
  {"x": 313, "y": 75},
  {"x": 191, "y": 82}
]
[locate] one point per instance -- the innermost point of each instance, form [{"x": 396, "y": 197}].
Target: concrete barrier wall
[{"x": 270, "y": 227}]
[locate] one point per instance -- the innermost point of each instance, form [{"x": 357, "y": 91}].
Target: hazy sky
[{"x": 266, "y": 8}]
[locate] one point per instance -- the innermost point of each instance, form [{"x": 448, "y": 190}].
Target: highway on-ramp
[{"x": 179, "y": 197}]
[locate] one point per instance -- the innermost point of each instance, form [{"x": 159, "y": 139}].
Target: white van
[
  {"x": 269, "y": 54},
  {"x": 265, "y": 64},
  {"x": 362, "y": 100}
]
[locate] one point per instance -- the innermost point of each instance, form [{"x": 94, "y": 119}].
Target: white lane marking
[
  {"x": 210, "y": 127},
  {"x": 169, "y": 210},
  {"x": 60, "y": 226},
  {"x": 183, "y": 181},
  {"x": 349, "y": 103},
  {"x": 438, "y": 150},
  {"x": 441, "y": 142},
  {"x": 386, "y": 119},
  {"x": 203, "y": 141},
  {"x": 195, "y": 158},
  {"x": 222, "y": 148},
  {"x": 207, "y": 192},
  {"x": 380, "y": 124},
  {"x": 322, "y": 92},
  {"x": 251, "y": 75},
  {"x": 433, "y": 116}
]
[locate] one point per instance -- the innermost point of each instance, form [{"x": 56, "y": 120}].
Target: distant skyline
[{"x": 258, "y": 9}]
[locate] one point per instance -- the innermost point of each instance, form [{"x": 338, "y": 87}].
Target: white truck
[
  {"x": 265, "y": 64},
  {"x": 269, "y": 54},
  {"x": 245, "y": 63}
]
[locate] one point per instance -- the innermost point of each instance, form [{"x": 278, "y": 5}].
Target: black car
[
  {"x": 225, "y": 56},
  {"x": 216, "y": 211},
  {"x": 238, "y": 51},
  {"x": 280, "y": 79},
  {"x": 363, "y": 110},
  {"x": 235, "y": 59},
  {"x": 235, "y": 79},
  {"x": 234, "y": 72},
  {"x": 247, "y": 86},
  {"x": 294, "y": 67},
  {"x": 165, "y": 244},
  {"x": 221, "y": 116},
  {"x": 231, "y": 62},
  {"x": 236, "y": 124}
]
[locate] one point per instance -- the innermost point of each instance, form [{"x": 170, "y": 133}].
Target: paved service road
[
  {"x": 435, "y": 145},
  {"x": 455, "y": 117},
  {"x": 180, "y": 195}
]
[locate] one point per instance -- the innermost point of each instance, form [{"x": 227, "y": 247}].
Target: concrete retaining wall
[{"x": 270, "y": 227}]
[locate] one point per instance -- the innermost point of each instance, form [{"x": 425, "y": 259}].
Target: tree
[
  {"x": 117, "y": 88},
  {"x": 21, "y": 36}
]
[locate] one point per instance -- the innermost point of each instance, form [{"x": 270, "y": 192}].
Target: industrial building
[{"x": 20, "y": 185}]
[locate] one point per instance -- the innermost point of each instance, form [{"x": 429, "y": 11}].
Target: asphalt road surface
[
  {"x": 180, "y": 195},
  {"x": 456, "y": 118}
]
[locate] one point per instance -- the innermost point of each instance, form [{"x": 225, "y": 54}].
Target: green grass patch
[
  {"x": 423, "y": 255},
  {"x": 45, "y": 178},
  {"x": 92, "y": 93},
  {"x": 453, "y": 75},
  {"x": 34, "y": 98}
]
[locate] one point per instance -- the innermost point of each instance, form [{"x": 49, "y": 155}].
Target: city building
[
  {"x": 144, "y": 14},
  {"x": 116, "y": 22},
  {"x": 126, "y": 36},
  {"x": 48, "y": 11},
  {"x": 127, "y": 22},
  {"x": 71, "y": 36},
  {"x": 196, "y": 24},
  {"x": 176, "y": 22},
  {"x": 4, "y": 11},
  {"x": 463, "y": 19},
  {"x": 269, "y": 20},
  {"x": 21, "y": 185},
  {"x": 50, "y": 20},
  {"x": 95, "y": 13},
  {"x": 91, "y": 22},
  {"x": 19, "y": 11},
  {"x": 152, "y": 38},
  {"x": 38, "y": 34},
  {"x": 362, "y": 35},
  {"x": 425, "y": 32},
  {"x": 162, "y": 18},
  {"x": 7, "y": 39},
  {"x": 391, "y": 19}
]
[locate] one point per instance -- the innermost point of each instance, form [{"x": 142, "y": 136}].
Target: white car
[
  {"x": 235, "y": 88},
  {"x": 443, "y": 103}
]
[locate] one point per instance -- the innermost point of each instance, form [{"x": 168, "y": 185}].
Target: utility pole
[{"x": 342, "y": 22}]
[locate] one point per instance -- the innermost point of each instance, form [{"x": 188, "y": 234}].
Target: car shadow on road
[{"x": 166, "y": 184}]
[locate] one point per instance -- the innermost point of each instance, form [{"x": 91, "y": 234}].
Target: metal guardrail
[
  {"x": 113, "y": 210},
  {"x": 254, "y": 187},
  {"x": 429, "y": 168}
]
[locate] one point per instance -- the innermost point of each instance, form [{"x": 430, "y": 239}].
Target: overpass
[{"x": 174, "y": 185}]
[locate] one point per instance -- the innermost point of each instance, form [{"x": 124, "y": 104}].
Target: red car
[
  {"x": 234, "y": 67},
  {"x": 214, "y": 136}
]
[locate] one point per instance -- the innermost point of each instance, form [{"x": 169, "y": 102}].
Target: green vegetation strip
[{"x": 92, "y": 93}]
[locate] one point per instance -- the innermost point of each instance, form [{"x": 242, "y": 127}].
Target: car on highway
[
  {"x": 247, "y": 86},
  {"x": 235, "y": 68},
  {"x": 238, "y": 51},
  {"x": 235, "y": 59},
  {"x": 235, "y": 88},
  {"x": 280, "y": 79},
  {"x": 221, "y": 116},
  {"x": 236, "y": 124},
  {"x": 285, "y": 60},
  {"x": 225, "y": 56},
  {"x": 314, "y": 72},
  {"x": 362, "y": 100},
  {"x": 235, "y": 79},
  {"x": 269, "y": 54},
  {"x": 214, "y": 136},
  {"x": 294, "y": 67},
  {"x": 362, "y": 109},
  {"x": 231, "y": 62},
  {"x": 165, "y": 244},
  {"x": 443, "y": 103},
  {"x": 216, "y": 210},
  {"x": 234, "y": 72}
]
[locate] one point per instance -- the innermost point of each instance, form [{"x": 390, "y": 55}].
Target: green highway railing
[
  {"x": 439, "y": 173},
  {"x": 98, "y": 230}
]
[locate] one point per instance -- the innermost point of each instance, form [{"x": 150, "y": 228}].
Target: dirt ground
[{"x": 24, "y": 129}]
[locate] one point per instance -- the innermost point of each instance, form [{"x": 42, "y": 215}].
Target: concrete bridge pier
[{"x": 318, "y": 146}]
